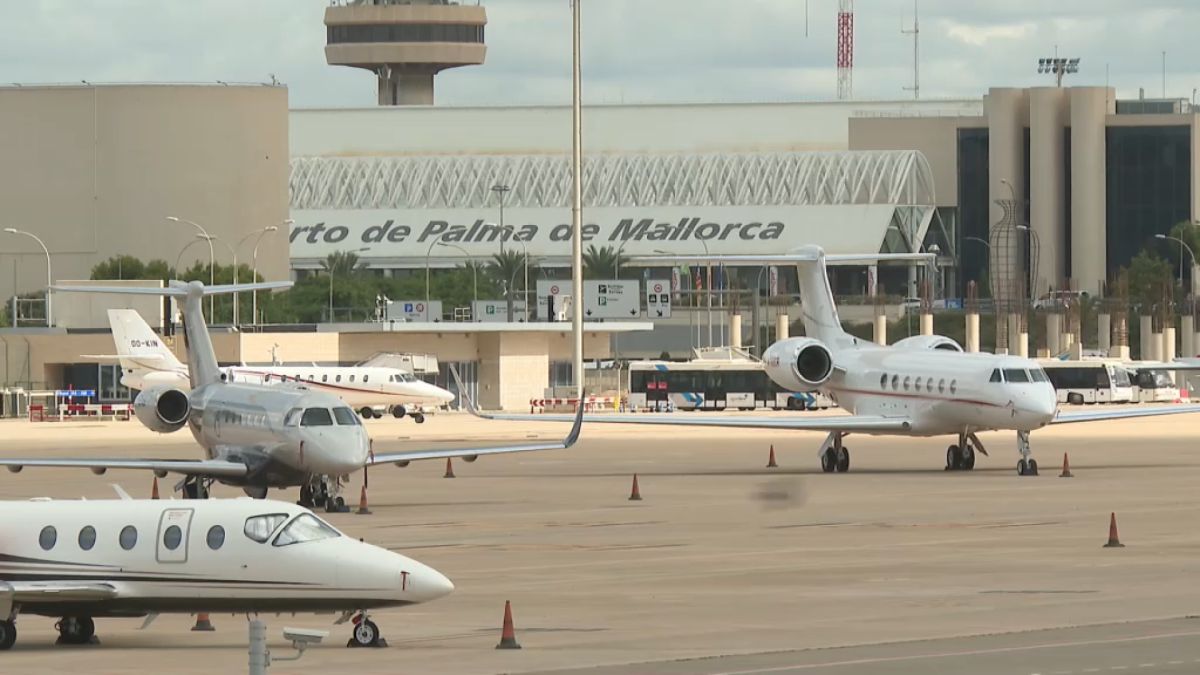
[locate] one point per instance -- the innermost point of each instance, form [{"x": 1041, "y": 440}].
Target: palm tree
[
  {"x": 342, "y": 264},
  {"x": 602, "y": 263},
  {"x": 506, "y": 268}
]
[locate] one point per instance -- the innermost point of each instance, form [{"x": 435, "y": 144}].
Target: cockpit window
[
  {"x": 259, "y": 528},
  {"x": 1038, "y": 375},
  {"x": 1016, "y": 375},
  {"x": 292, "y": 417},
  {"x": 995, "y": 376},
  {"x": 303, "y": 529},
  {"x": 316, "y": 417},
  {"x": 345, "y": 416}
]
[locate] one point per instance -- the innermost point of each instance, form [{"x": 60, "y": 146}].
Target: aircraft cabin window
[
  {"x": 338, "y": 378},
  {"x": 929, "y": 385},
  {"x": 995, "y": 376},
  {"x": 48, "y": 537},
  {"x": 87, "y": 538},
  {"x": 1016, "y": 375},
  {"x": 366, "y": 377},
  {"x": 942, "y": 386},
  {"x": 883, "y": 381},
  {"x": 953, "y": 386},
  {"x": 316, "y": 417},
  {"x": 260, "y": 528},
  {"x": 917, "y": 384},
  {"x": 325, "y": 378},
  {"x": 128, "y": 537},
  {"x": 172, "y": 537},
  {"x": 303, "y": 529},
  {"x": 907, "y": 381},
  {"x": 895, "y": 381},
  {"x": 351, "y": 378},
  {"x": 345, "y": 416},
  {"x": 215, "y": 537}
]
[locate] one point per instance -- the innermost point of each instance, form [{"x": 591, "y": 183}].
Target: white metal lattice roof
[{"x": 725, "y": 179}]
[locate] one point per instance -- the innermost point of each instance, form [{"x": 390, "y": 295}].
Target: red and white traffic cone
[{"x": 508, "y": 637}]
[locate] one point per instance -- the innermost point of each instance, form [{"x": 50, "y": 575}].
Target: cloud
[{"x": 979, "y": 36}]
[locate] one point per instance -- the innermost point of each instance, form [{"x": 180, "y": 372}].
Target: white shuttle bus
[
  {"x": 1089, "y": 381},
  {"x": 712, "y": 384}
]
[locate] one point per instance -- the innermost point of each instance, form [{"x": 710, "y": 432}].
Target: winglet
[
  {"x": 576, "y": 427},
  {"x": 572, "y": 436},
  {"x": 466, "y": 398}
]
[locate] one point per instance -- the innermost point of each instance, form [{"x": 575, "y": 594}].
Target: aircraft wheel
[
  {"x": 399, "y": 412},
  {"x": 829, "y": 460},
  {"x": 843, "y": 460},
  {"x": 953, "y": 458},
  {"x": 76, "y": 630},
  {"x": 968, "y": 458},
  {"x": 1027, "y": 468},
  {"x": 8, "y": 634},
  {"x": 306, "y": 497},
  {"x": 1033, "y": 471},
  {"x": 419, "y": 418},
  {"x": 366, "y": 634},
  {"x": 366, "y": 413}
]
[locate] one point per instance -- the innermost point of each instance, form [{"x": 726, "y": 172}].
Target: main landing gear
[
  {"x": 75, "y": 630},
  {"x": 834, "y": 455},
  {"x": 195, "y": 487},
  {"x": 1026, "y": 466},
  {"x": 8, "y": 634},
  {"x": 323, "y": 492},
  {"x": 961, "y": 457}
]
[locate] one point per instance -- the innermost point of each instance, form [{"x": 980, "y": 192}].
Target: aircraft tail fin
[
  {"x": 818, "y": 309},
  {"x": 139, "y": 349},
  {"x": 202, "y": 359}
]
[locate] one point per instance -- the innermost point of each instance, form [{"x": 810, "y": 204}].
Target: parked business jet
[
  {"x": 255, "y": 436},
  {"x": 146, "y": 361},
  {"x": 919, "y": 386},
  {"x": 81, "y": 560}
]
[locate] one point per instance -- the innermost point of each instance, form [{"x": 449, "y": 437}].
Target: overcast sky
[{"x": 634, "y": 50}]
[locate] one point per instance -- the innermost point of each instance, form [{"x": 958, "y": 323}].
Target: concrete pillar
[
  {"x": 926, "y": 324},
  {"x": 735, "y": 330},
  {"x": 781, "y": 327},
  {"x": 972, "y": 333},
  {"x": 1187, "y": 336},
  {"x": 1075, "y": 352},
  {"x": 1048, "y": 116},
  {"x": 1146, "y": 329},
  {"x": 1054, "y": 334},
  {"x": 1023, "y": 344},
  {"x": 1007, "y": 113},
  {"x": 1104, "y": 332},
  {"x": 1013, "y": 323},
  {"x": 1089, "y": 225},
  {"x": 1168, "y": 343},
  {"x": 880, "y": 329},
  {"x": 1119, "y": 352},
  {"x": 1155, "y": 351}
]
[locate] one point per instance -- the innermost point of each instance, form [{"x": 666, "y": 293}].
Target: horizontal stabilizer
[
  {"x": 781, "y": 258},
  {"x": 178, "y": 288}
]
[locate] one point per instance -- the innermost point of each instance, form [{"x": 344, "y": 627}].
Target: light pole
[
  {"x": 576, "y": 200},
  {"x": 501, "y": 191},
  {"x": 234, "y": 254},
  {"x": 260, "y": 233},
  {"x": 211, "y": 258},
  {"x": 357, "y": 250},
  {"x": 1035, "y": 245},
  {"x": 1182, "y": 245},
  {"x": 49, "y": 274},
  {"x": 1058, "y": 67},
  {"x": 474, "y": 270},
  {"x": 428, "y": 252},
  {"x": 179, "y": 258}
]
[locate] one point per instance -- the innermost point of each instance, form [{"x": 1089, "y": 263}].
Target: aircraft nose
[
  {"x": 1045, "y": 404},
  {"x": 440, "y": 394},
  {"x": 425, "y": 583}
]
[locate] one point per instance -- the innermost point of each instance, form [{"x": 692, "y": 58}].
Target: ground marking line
[{"x": 973, "y": 652}]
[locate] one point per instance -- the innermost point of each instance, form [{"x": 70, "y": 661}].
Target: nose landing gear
[
  {"x": 365, "y": 634},
  {"x": 323, "y": 492},
  {"x": 1026, "y": 466}
]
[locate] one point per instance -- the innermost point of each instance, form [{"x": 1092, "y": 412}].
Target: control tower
[{"x": 404, "y": 42}]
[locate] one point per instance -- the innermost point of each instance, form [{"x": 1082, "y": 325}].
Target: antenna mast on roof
[{"x": 916, "y": 33}]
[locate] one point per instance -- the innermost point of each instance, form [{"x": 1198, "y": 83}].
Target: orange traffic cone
[
  {"x": 449, "y": 469},
  {"x": 202, "y": 623},
  {"x": 1066, "y": 471},
  {"x": 771, "y": 460},
  {"x": 363, "y": 509},
  {"x": 1114, "y": 541},
  {"x": 636, "y": 494},
  {"x": 154, "y": 489},
  {"x": 508, "y": 637}
]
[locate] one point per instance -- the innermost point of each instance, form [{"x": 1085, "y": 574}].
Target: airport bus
[
  {"x": 1089, "y": 381},
  {"x": 1154, "y": 385},
  {"x": 712, "y": 384}
]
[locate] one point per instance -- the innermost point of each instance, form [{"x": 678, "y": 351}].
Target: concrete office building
[{"x": 1093, "y": 178}]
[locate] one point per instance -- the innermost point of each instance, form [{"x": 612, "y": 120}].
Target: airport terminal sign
[{"x": 414, "y": 234}]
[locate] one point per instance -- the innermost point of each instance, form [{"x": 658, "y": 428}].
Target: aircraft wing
[
  {"x": 847, "y": 423},
  {"x": 1097, "y": 415},
  {"x": 213, "y": 468},
  {"x": 410, "y": 455}
]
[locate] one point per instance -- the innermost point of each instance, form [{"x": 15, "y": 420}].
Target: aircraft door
[{"x": 174, "y": 528}]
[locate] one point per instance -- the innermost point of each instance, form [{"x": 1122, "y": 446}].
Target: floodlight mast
[{"x": 1058, "y": 67}]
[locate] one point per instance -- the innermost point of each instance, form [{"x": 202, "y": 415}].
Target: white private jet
[
  {"x": 146, "y": 361},
  {"x": 919, "y": 386},
  {"x": 79, "y": 560},
  {"x": 255, "y": 436}
]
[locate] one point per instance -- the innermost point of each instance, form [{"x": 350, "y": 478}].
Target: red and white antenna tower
[{"x": 845, "y": 48}]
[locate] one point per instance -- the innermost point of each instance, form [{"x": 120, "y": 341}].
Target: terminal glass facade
[
  {"x": 433, "y": 32},
  {"x": 1148, "y": 187},
  {"x": 973, "y": 208}
]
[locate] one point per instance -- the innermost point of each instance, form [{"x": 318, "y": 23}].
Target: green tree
[
  {"x": 342, "y": 264},
  {"x": 602, "y": 263},
  {"x": 129, "y": 267},
  {"x": 508, "y": 270},
  {"x": 1148, "y": 275},
  {"x": 1189, "y": 234}
]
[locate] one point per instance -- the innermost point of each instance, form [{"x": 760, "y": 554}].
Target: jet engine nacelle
[
  {"x": 162, "y": 409},
  {"x": 799, "y": 364},
  {"x": 926, "y": 342}
]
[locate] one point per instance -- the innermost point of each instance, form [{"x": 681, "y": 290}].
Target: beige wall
[
  {"x": 1048, "y": 116},
  {"x": 94, "y": 171},
  {"x": 1090, "y": 107},
  {"x": 935, "y": 137}
]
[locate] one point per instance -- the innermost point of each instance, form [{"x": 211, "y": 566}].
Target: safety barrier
[
  {"x": 590, "y": 403},
  {"x": 80, "y": 411}
]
